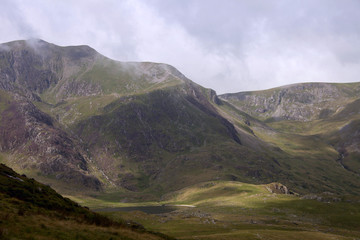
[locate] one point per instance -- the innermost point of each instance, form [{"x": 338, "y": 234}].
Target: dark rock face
[
  {"x": 26, "y": 131},
  {"x": 214, "y": 98},
  {"x": 31, "y": 67},
  {"x": 278, "y": 188},
  {"x": 26, "y": 70},
  {"x": 230, "y": 128}
]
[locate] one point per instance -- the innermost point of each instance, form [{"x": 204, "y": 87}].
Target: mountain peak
[
  {"x": 33, "y": 43},
  {"x": 43, "y": 48}
]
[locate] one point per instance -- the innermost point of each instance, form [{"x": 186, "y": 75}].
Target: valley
[
  {"x": 233, "y": 210},
  {"x": 275, "y": 164}
]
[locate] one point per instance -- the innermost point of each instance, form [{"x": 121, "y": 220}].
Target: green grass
[
  {"x": 31, "y": 210},
  {"x": 233, "y": 210},
  {"x": 105, "y": 77},
  {"x": 75, "y": 109},
  {"x": 5, "y": 100}
]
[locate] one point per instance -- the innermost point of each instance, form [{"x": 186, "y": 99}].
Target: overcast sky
[{"x": 227, "y": 45}]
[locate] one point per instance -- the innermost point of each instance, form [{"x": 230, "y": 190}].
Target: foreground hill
[
  {"x": 86, "y": 124},
  {"x": 31, "y": 210}
]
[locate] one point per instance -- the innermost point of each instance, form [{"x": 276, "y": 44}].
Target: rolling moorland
[{"x": 107, "y": 134}]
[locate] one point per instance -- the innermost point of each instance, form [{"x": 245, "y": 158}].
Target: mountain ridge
[
  {"x": 142, "y": 130},
  {"x": 289, "y": 102}
]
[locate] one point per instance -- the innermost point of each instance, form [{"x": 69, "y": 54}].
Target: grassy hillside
[{"x": 30, "y": 210}]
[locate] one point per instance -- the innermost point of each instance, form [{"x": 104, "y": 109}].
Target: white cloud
[{"x": 232, "y": 46}]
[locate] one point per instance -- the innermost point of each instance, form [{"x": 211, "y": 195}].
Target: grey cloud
[
  {"x": 273, "y": 42},
  {"x": 226, "y": 45},
  {"x": 13, "y": 22}
]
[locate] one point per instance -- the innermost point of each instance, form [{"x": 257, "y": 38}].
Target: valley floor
[{"x": 232, "y": 210}]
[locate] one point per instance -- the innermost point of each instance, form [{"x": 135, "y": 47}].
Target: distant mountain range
[{"x": 84, "y": 123}]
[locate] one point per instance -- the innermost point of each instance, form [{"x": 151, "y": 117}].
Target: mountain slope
[
  {"x": 314, "y": 122},
  {"x": 32, "y": 141},
  {"x": 171, "y": 137},
  {"x": 30, "y": 210},
  {"x": 300, "y": 102},
  {"x": 136, "y": 131},
  {"x": 129, "y": 125}
]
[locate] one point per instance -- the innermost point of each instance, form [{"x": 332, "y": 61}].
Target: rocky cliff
[{"x": 300, "y": 102}]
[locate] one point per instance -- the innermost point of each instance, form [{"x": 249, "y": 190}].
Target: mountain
[
  {"x": 308, "y": 118},
  {"x": 31, "y": 210},
  {"x": 33, "y": 138},
  {"x": 299, "y": 102},
  {"x": 86, "y": 124}
]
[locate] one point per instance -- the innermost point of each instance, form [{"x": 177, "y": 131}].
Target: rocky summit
[{"x": 84, "y": 123}]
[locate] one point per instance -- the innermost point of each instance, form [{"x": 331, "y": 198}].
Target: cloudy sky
[{"x": 227, "y": 45}]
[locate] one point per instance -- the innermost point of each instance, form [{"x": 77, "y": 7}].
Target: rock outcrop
[
  {"x": 278, "y": 188},
  {"x": 31, "y": 136},
  {"x": 300, "y": 102}
]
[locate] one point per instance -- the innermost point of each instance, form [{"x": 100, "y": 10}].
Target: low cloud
[{"x": 236, "y": 46}]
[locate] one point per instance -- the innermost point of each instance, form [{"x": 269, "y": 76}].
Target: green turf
[{"x": 233, "y": 210}]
